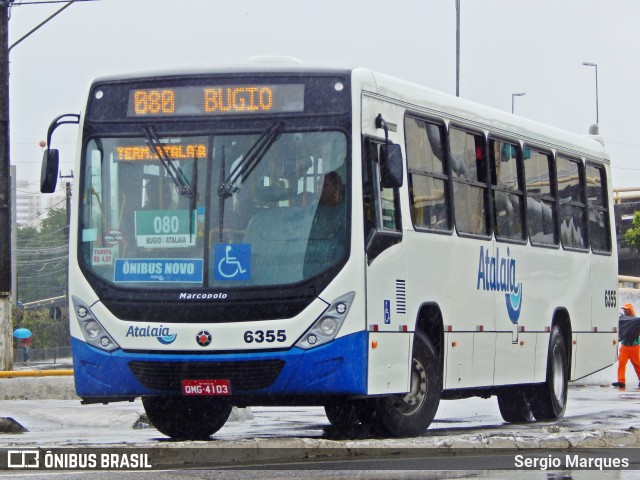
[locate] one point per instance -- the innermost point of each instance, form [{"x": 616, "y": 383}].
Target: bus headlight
[
  {"x": 94, "y": 333},
  {"x": 91, "y": 329},
  {"x": 327, "y": 326}
]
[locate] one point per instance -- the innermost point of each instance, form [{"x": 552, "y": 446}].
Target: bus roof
[
  {"x": 425, "y": 100},
  {"x": 253, "y": 67},
  {"x": 417, "y": 98}
]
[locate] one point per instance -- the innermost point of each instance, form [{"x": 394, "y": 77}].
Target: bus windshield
[{"x": 261, "y": 208}]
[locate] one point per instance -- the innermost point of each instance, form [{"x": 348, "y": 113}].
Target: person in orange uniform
[{"x": 629, "y": 346}]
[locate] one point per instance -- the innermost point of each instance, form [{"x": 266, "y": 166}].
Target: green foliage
[
  {"x": 41, "y": 258},
  {"x": 47, "y": 333},
  {"x": 632, "y": 235},
  {"x": 56, "y": 222}
]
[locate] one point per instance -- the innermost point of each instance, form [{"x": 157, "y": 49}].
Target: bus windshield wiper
[
  {"x": 249, "y": 161},
  {"x": 175, "y": 172}
]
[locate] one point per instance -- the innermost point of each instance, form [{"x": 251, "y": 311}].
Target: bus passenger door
[{"x": 389, "y": 345}]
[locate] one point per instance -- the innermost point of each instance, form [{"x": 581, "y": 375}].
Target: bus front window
[{"x": 257, "y": 209}]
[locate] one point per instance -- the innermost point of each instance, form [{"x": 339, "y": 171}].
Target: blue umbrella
[{"x": 22, "y": 333}]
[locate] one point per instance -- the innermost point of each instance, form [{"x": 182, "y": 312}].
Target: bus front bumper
[{"x": 336, "y": 368}]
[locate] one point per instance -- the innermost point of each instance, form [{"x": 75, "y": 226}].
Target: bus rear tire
[
  {"x": 549, "y": 400},
  {"x": 411, "y": 414},
  {"x": 187, "y": 418},
  {"x": 514, "y": 406}
]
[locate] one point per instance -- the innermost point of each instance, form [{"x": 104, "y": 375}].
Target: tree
[
  {"x": 47, "y": 333},
  {"x": 41, "y": 258},
  {"x": 632, "y": 235}
]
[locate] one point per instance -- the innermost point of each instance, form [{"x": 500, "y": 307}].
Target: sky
[{"x": 507, "y": 46}]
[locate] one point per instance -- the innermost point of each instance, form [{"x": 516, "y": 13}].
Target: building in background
[
  {"x": 32, "y": 207},
  {"x": 628, "y": 258},
  {"x": 28, "y": 204}
]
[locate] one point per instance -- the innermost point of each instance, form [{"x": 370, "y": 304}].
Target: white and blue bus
[{"x": 278, "y": 234}]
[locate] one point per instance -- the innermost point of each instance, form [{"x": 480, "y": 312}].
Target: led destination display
[{"x": 216, "y": 100}]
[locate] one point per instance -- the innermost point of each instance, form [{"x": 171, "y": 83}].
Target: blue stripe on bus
[{"x": 338, "y": 367}]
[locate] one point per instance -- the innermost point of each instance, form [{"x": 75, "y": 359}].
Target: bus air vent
[{"x": 249, "y": 375}]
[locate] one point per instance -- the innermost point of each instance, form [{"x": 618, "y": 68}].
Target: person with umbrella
[{"x": 24, "y": 340}]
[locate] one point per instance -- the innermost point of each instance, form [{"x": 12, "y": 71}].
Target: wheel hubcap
[
  {"x": 558, "y": 375},
  {"x": 411, "y": 402}
]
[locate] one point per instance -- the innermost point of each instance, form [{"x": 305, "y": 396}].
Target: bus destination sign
[{"x": 215, "y": 100}]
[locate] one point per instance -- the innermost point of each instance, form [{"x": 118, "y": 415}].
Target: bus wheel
[
  {"x": 514, "y": 406},
  {"x": 342, "y": 414},
  {"x": 412, "y": 413},
  {"x": 549, "y": 400},
  {"x": 186, "y": 418}
]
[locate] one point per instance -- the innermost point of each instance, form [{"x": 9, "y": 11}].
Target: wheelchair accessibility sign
[{"x": 232, "y": 261}]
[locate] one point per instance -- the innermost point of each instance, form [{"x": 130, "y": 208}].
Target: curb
[
  {"x": 35, "y": 373},
  {"x": 38, "y": 387}
]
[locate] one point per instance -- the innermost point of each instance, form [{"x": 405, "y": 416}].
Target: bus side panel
[
  {"x": 385, "y": 316},
  {"x": 482, "y": 368},
  {"x": 604, "y": 275},
  {"x": 594, "y": 351},
  {"x": 445, "y": 273},
  {"x": 598, "y": 349},
  {"x": 604, "y": 301},
  {"x": 518, "y": 350},
  {"x": 459, "y": 359},
  {"x": 515, "y": 360},
  {"x": 551, "y": 280},
  {"x": 386, "y": 277},
  {"x": 389, "y": 354}
]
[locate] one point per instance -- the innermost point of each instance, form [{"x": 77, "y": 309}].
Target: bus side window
[
  {"x": 573, "y": 228},
  {"x": 508, "y": 196},
  {"x": 367, "y": 186},
  {"x": 385, "y": 199},
  {"x": 381, "y": 206},
  {"x": 598, "y": 209},
  {"x": 468, "y": 169},
  {"x": 541, "y": 204},
  {"x": 428, "y": 183},
  {"x": 95, "y": 221}
]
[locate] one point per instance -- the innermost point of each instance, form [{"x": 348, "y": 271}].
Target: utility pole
[
  {"x": 6, "y": 337},
  {"x": 67, "y": 190},
  {"x": 14, "y": 235},
  {"x": 6, "y": 341}
]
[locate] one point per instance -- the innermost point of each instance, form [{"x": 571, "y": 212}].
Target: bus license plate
[{"x": 206, "y": 387}]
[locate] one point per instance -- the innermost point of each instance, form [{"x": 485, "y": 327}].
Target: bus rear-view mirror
[
  {"x": 49, "y": 172},
  {"x": 391, "y": 166}
]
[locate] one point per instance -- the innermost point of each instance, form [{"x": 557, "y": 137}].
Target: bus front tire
[
  {"x": 342, "y": 414},
  {"x": 411, "y": 414},
  {"x": 186, "y": 418},
  {"x": 549, "y": 400}
]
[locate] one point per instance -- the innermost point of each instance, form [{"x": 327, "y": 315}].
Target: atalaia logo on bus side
[{"x": 497, "y": 273}]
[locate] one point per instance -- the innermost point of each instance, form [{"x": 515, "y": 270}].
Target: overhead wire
[{"x": 46, "y": 2}]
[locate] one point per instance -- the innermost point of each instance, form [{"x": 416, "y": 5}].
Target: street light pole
[
  {"x": 457, "y": 48},
  {"x": 46, "y": 20},
  {"x": 513, "y": 96},
  {"x": 595, "y": 65}
]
